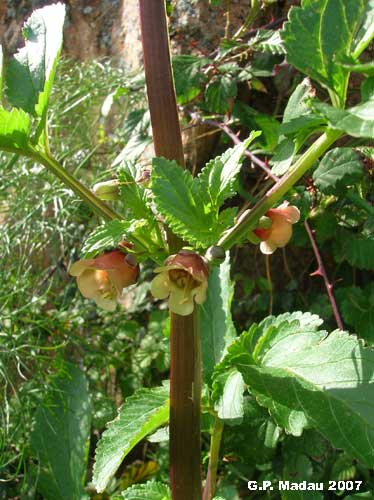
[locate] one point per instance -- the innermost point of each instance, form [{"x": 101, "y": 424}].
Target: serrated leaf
[
  {"x": 219, "y": 94},
  {"x": 283, "y": 157},
  {"x": 179, "y": 199},
  {"x": 318, "y": 35},
  {"x": 269, "y": 41},
  {"x": 254, "y": 120},
  {"x": 329, "y": 378},
  {"x": 139, "y": 416},
  {"x": 133, "y": 195},
  {"x": 61, "y": 434},
  {"x": 357, "y": 306},
  {"x": 109, "y": 235},
  {"x": 338, "y": 169},
  {"x": 357, "y": 249},
  {"x": 218, "y": 178},
  {"x": 14, "y": 130},
  {"x": 151, "y": 490},
  {"x": 30, "y": 73},
  {"x": 188, "y": 76},
  {"x": 357, "y": 121},
  {"x": 217, "y": 327}
]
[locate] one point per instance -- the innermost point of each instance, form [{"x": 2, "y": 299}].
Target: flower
[
  {"x": 103, "y": 278},
  {"x": 184, "y": 279},
  {"x": 280, "y": 231}
]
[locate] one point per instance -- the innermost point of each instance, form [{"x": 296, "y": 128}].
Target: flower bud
[
  {"x": 144, "y": 177},
  {"x": 107, "y": 190},
  {"x": 215, "y": 254}
]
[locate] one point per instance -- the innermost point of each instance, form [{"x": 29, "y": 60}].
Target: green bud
[
  {"x": 264, "y": 222},
  {"x": 107, "y": 190},
  {"x": 253, "y": 238}
]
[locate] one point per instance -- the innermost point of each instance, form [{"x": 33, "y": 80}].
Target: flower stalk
[{"x": 185, "y": 364}]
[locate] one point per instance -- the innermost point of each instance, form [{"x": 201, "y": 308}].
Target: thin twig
[{"x": 321, "y": 271}]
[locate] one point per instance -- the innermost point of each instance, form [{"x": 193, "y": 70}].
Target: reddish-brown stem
[
  {"x": 185, "y": 364},
  {"x": 321, "y": 271}
]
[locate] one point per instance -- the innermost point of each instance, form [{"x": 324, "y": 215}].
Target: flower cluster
[
  {"x": 103, "y": 278},
  {"x": 184, "y": 280},
  {"x": 280, "y": 231}
]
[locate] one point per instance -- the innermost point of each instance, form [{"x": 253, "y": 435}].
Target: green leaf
[
  {"x": 254, "y": 120},
  {"x": 30, "y": 73},
  {"x": 357, "y": 121},
  {"x": 140, "y": 415},
  {"x": 318, "y": 35},
  {"x": 188, "y": 76},
  {"x": 14, "y": 130},
  {"x": 133, "y": 195},
  {"x": 1, "y": 74},
  {"x": 339, "y": 168},
  {"x": 357, "y": 249},
  {"x": 365, "y": 32},
  {"x": 283, "y": 157},
  {"x": 61, "y": 434},
  {"x": 137, "y": 231},
  {"x": 179, "y": 199},
  {"x": 329, "y": 378},
  {"x": 357, "y": 306},
  {"x": 217, "y": 327},
  {"x": 219, "y": 94},
  {"x": 269, "y": 41},
  {"x": 230, "y": 405},
  {"x": 148, "y": 491},
  {"x": 218, "y": 178}
]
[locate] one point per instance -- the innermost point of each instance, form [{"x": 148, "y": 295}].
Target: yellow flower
[
  {"x": 103, "y": 278},
  {"x": 184, "y": 279},
  {"x": 280, "y": 231}
]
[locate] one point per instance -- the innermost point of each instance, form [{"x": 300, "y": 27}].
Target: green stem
[
  {"x": 248, "y": 220},
  {"x": 215, "y": 444},
  {"x": 98, "y": 206}
]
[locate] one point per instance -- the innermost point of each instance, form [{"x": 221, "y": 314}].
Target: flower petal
[
  {"x": 160, "y": 286},
  {"x": 281, "y": 231},
  {"x": 200, "y": 292},
  {"x": 292, "y": 214},
  {"x": 267, "y": 247},
  {"x": 105, "y": 303},
  {"x": 91, "y": 281},
  {"x": 180, "y": 304},
  {"x": 77, "y": 268}
]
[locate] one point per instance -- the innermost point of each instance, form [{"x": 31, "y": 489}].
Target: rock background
[{"x": 101, "y": 28}]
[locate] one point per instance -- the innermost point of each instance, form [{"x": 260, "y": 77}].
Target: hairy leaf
[
  {"x": 357, "y": 306},
  {"x": 14, "y": 130},
  {"x": 140, "y": 415},
  {"x": 133, "y": 195},
  {"x": 269, "y": 41},
  {"x": 180, "y": 200},
  {"x": 219, "y": 93},
  {"x": 188, "y": 76},
  {"x": 230, "y": 405},
  {"x": 329, "y": 378},
  {"x": 218, "y": 178},
  {"x": 318, "y": 35},
  {"x": 339, "y": 168},
  {"x": 151, "y": 490},
  {"x": 61, "y": 434},
  {"x": 137, "y": 231},
  {"x": 217, "y": 327},
  {"x": 357, "y": 121},
  {"x": 30, "y": 73}
]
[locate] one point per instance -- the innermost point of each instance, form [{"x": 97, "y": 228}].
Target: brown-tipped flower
[
  {"x": 280, "y": 231},
  {"x": 184, "y": 279},
  {"x": 103, "y": 278}
]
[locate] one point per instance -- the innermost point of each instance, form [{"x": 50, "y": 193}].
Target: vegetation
[{"x": 276, "y": 260}]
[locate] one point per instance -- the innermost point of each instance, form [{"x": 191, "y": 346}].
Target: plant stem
[
  {"x": 97, "y": 205},
  {"x": 248, "y": 220},
  {"x": 321, "y": 271},
  {"x": 215, "y": 443},
  {"x": 185, "y": 363}
]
